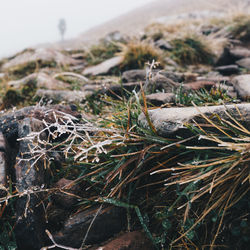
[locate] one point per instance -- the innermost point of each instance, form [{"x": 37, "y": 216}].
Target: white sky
[{"x": 25, "y": 23}]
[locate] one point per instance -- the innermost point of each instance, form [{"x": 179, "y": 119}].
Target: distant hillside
[{"x": 133, "y": 22}]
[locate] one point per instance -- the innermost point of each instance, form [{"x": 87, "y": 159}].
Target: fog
[{"x": 25, "y": 23}]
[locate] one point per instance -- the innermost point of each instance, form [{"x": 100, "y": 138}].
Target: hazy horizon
[{"x": 27, "y": 23}]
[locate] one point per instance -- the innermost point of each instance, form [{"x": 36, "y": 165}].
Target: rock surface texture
[{"x": 172, "y": 121}]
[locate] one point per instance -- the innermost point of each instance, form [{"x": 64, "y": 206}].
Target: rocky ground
[{"x": 131, "y": 144}]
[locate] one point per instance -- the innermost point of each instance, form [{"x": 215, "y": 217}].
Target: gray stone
[
  {"x": 41, "y": 80},
  {"x": 30, "y": 225},
  {"x": 129, "y": 241},
  {"x": 239, "y": 52},
  {"x": 171, "y": 121},
  {"x": 104, "y": 67},
  {"x": 163, "y": 44},
  {"x": 160, "y": 98},
  {"x": 134, "y": 75},
  {"x": 109, "y": 221},
  {"x": 224, "y": 58},
  {"x": 245, "y": 63},
  {"x": 161, "y": 82},
  {"x": 242, "y": 86},
  {"x": 228, "y": 69},
  {"x": 63, "y": 95},
  {"x": 4, "y": 164}
]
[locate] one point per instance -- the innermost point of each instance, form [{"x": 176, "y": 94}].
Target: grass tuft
[
  {"x": 191, "y": 50},
  {"x": 137, "y": 54}
]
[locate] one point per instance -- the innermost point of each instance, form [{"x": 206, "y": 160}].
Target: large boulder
[{"x": 171, "y": 121}]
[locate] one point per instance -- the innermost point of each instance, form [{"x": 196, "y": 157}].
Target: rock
[
  {"x": 242, "y": 86},
  {"x": 4, "y": 164},
  {"x": 216, "y": 78},
  {"x": 9, "y": 121},
  {"x": 160, "y": 98},
  {"x": 41, "y": 80},
  {"x": 174, "y": 76},
  {"x": 162, "y": 83},
  {"x": 41, "y": 57},
  {"x": 199, "y": 85},
  {"x": 129, "y": 241},
  {"x": 134, "y": 75},
  {"x": 56, "y": 218},
  {"x": 171, "y": 121},
  {"x": 225, "y": 58},
  {"x": 104, "y": 67},
  {"x": 120, "y": 89},
  {"x": 110, "y": 221},
  {"x": 30, "y": 225},
  {"x": 228, "y": 69},
  {"x": 114, "y": 36},
  {"x": 245, "y": 63},
  {"x": 239, "y": 53},
  {"x": 163, "y": 44},
  {"x": 137, "y": 75},
  {"x": 63, "y": 95},
  {"x": 67, "y": 195}
]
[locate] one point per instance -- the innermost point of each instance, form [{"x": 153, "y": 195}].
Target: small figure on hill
[{"x": 62, "y": 27}]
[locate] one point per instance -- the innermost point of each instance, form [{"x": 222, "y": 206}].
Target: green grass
[
  {"x": 101, "y": 52},
  {"x": 191, "y": 50}
]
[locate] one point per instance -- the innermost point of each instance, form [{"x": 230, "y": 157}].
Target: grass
[
  {"x": 137, "y": 54},
  {"x": 191, "y": 50},
  {"x": 215, "y": 96},
  {"x": 240, "y": 28},
  {"x": 174, "y": 188},
  {"x": 184, "y": 192},
  {"x": 101, "y": 52}
]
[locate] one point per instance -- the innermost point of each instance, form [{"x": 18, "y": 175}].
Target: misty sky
[{"x": 25, "y": 23}]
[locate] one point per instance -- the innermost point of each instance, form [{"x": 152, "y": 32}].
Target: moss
[
  {"x": 29, "y": 68},
  {"x": 101, "y": 52},
  {"x": 24, "y": 96},
  {"x": 74, "y": 82},
  {"x": 12, "y": 98},
  {"x": 29, "y": 89},
  {"x": 137, "y": 54},
  {"x": 191, "y": 51}
]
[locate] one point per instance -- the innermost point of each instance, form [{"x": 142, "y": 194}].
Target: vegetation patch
[
  {"x": 26, "y": 69},
  {"x": 101, "y": 52},
  {"x": 240, "y": 29},
  {"x": 191, "y": 50},
  {"x": 137, "y": 54}
]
